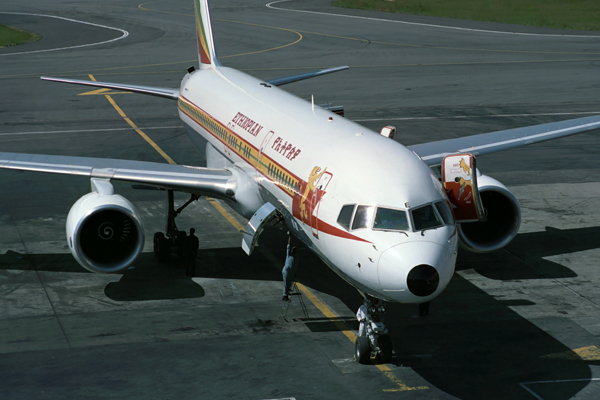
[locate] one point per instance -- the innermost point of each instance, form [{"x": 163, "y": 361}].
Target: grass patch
[
  {"x": 10, "y": 36},
  {"x": 564, "y": 14}
]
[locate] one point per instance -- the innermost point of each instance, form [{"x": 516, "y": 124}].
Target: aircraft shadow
[
  {"x": 524, "y": 257},
  {"x": 471, "y": 346}
]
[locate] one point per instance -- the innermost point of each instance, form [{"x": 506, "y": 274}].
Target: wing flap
[
  {"x": 172, "y": 94},
  {"x": 434, "y": 152},
  {"x": 219, "y": 183}
]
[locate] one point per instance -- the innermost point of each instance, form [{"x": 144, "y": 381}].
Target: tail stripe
[
  {"x": 203, "y": 49},
  {"x": 206, "y": 47}
]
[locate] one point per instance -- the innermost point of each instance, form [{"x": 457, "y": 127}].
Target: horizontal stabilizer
[
  {"x": 295, "y": 78},
  {"x": 172, "y": 94}
]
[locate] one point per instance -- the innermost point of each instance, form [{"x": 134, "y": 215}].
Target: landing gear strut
[
  {"x": 372, "y": 337},
  {"x": 172, "y": 240}
]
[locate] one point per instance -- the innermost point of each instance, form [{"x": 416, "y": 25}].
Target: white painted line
[
  {"x": 270, "y": 5},
  {"x": 477, "y": 116},
  {"x": 124, "y": 32},
  {"x": 87, "y": 130},
  {"x": 524, "y": 384},
  {"x": 343, "y": 360},
  {"x": 531, "y": 392},
  {"x": 283, "y": 398}
]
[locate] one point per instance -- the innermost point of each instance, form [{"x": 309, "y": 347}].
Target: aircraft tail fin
[{"x": 206, "y": 45}]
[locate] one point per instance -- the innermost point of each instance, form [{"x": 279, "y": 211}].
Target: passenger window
[
  {"x": 346, "y": 215},
  {"x": 362, "y": 217}
]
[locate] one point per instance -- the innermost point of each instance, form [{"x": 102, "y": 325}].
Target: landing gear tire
[
  {"x": 162, "y": 247},
  {"x": 385, "y": 349},
  {"x": 362, "y": 352}
]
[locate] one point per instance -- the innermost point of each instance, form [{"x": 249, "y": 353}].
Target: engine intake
[
  {"x": 104, "y": 232},
  {"x": 503, "y": 219}
]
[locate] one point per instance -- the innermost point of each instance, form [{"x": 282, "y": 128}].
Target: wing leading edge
[
  {"x": 295, "y": 78},
  {"x": 219, "y": 183},
  {"x": 432, "y": 153},
  {"x": 172, "y": 94}
]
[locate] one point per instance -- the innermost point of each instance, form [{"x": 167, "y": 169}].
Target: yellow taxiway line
[{"x": 327, "y": 312}]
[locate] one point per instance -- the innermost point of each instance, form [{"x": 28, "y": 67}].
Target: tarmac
[{"x": 520, "y": 323}]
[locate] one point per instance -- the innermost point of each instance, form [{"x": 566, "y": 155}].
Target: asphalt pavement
[{"x": 520, "y": 323}]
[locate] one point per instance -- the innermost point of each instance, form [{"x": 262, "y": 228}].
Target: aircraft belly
[{"x": 199, "y": 141}]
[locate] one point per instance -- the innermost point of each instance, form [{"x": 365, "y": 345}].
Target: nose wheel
[{"x": 372, "y": 340}]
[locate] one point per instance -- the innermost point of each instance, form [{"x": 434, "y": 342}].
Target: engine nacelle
[
  {"x": 503, "y": 219},
  {"x": 104, "y": 232}
]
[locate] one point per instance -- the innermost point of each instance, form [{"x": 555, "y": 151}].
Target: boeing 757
[{"x": 388, "y": 219}]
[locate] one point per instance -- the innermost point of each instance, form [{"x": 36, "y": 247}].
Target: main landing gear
[
  {"x": 372, "y": 337},
  {"x": 173, "y": 240}
]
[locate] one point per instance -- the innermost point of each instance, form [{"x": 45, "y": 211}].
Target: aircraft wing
[
  {"x": 434, "y": 152},
  {"x": 172, "y": 94},
  {"x": 295, "y": 78},
  {"x": 219, "y": 183}
]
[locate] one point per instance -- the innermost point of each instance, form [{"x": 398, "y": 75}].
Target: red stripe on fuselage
[{"x": 320, "y": 225}]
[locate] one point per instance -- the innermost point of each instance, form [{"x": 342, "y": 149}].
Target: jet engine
[
  {"x": 502, "y": 222},
  {"x": 104, "y": 230}
]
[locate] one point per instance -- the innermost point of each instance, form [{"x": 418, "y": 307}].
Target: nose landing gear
[{"x": 372, "y": 340}]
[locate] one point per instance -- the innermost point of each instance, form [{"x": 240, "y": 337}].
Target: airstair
[{"x": 286, "y": 304}]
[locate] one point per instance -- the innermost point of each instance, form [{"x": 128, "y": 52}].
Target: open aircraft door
[
  {"x": 317, "y": 195},
  {"x": 256, "y": 225},
  {"x": 263, "y": 146},
  {"x": 459, "y": 176}
]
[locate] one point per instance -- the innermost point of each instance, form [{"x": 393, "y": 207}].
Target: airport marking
[
  {"x": 102, "y": 91},
  {"x": 86, "y": 130},
  {"x": 235, "y": 22},
  {"x": 590, "y": 353},
  {"x": 270, "y": 5},
  {"x": 478, "y": 116},
  {"x": 226, "y": 214},
  {"x": 123, "y": 36},
  {"x": 329, "y": 314},
  {"x": 345, "y": 329},
  {"x": 134, "y": 126},
  {"x": 524, "y": 384}
]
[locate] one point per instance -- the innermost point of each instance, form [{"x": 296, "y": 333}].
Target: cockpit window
[
  {"x": 388, "y": 219},
  {"x": 425, "y": 218},
  {"x": 445, "y": 212},
  {"x": 346, "y": 215},
  {"x": 362, "y": 217}
]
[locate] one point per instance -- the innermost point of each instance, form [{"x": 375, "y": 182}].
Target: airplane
[{"x": 386, "y": 218}]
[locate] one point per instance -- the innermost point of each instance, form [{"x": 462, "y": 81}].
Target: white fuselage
[{"x": 310, "y": 163}]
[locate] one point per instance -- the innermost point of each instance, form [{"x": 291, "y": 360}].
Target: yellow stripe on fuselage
[{"x": 280, "y": 176}]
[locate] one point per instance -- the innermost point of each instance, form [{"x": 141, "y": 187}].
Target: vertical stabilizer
[{"x": 206, "y": 46}]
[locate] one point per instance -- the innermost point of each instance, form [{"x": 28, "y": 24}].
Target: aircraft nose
[
  {"x": 423, "y": 280},
  {"x": 421, "y": 268}
]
